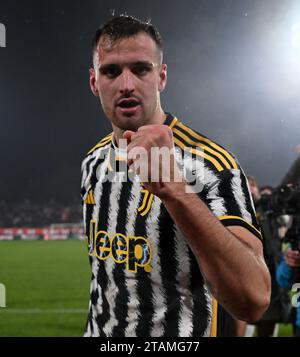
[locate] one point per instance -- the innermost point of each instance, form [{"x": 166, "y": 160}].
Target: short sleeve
[{"x": 229, "y": 198}]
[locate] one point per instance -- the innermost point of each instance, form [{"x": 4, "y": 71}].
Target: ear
[
  {"x": 93, "y": 82},
  {"x": 162, "y": 77}
]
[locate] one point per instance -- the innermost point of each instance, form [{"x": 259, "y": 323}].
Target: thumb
[{"x": 128, "y": 135}]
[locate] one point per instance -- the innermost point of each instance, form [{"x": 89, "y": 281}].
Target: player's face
[{"x": 128, "y": 78}]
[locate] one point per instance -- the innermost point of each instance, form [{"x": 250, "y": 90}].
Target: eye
[
  {"x": 111, "y": 71},
  {"x": 141, "y": 70}
]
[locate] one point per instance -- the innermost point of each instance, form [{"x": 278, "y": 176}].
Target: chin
[{"x": 128, "y": 123}]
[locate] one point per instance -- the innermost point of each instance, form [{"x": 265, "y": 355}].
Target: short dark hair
[{"x": 125, "y": 26}]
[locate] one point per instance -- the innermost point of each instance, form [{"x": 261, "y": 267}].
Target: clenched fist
[{"x": 151, "y": 156}]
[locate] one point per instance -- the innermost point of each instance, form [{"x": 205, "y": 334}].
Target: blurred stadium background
[{"x": 44, "y": 268}]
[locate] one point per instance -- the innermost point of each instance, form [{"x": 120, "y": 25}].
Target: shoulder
[
  {"x": 214, "y": 155},
  {"x": 102, "y": 143},
  {"x": 102, "y": 146}
]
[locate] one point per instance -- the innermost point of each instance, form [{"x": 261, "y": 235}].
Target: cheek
[
  {"x": 152, "y": 90},
  {"x": 105, "y": 96}
]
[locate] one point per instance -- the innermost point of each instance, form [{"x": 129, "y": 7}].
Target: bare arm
[{"x": 231, "y": 260}]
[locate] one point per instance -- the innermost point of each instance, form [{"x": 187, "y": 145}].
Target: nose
[{"x": 127, "y": 82}]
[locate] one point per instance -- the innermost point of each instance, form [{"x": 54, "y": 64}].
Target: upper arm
[{"x": 248, "y": 238}]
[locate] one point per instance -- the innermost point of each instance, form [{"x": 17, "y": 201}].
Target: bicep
[{"x": 247, "y": 238}]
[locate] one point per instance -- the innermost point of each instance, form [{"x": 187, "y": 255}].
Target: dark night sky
[{"x": 233, "y": 69}]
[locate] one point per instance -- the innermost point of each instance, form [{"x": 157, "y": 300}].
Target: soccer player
[{"x": 163, "y": 252}]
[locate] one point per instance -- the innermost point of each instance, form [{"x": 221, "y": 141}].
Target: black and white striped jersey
[{"x": 145, "y": 279}]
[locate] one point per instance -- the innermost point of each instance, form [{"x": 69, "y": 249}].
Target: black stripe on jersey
[
  {"x": 201, "y": 305},
  {"x": 166, "y": 249},
  {"x": 194, "y": 136},
  {"x": 102, "y": 277},
  {"x": 89, "y": 212},
  {"x": 225, "y": 188},
  {"x": 87, "y": 169},
  {"x": 188, "y": 145},
  {"x": 122, "y": 298},
  {"x": 94, "y": 179},
  {"x": 144, "y": 285},
  {"x": 94, "y": 294}
]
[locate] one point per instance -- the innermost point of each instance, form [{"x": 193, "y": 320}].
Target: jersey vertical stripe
[
  {"x": 144, "y": 288},
  {"x": 93, "y": 214},
  {"x": 201, "y": 305},
  {"x": 159, "y": 293},
  {"x": 102, "y": 277},
  {"x": 131, "y": 283},
  {"x": 169, "y": 271},
  {"x": 184, "y": 285},
  {"x": 122, "y": 299},
  {"x": 239, "y": 195},
  {"x": 112, "y": 288}
]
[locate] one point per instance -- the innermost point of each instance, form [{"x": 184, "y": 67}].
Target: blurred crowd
[
  {"x": 278, "y": 214},
  {"x": 33, "y": 214}
]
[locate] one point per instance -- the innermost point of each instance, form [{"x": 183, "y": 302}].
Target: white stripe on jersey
[
  {"x": 158, "y": 298},
  {"x": 217, "y": 203},
  {"x": 209, "y": 299},
  {"x": 112, "y": 286},
  {"x": 94, "y": 287},
  {"x": 84, "y": 167},
  {"x": 86, "y": 176},
  {"x": 239, "y": 195},
  {"x": 207, "y": 176},
  {"x": 131, "y": 283},
  {"x": 183, "y": 286}
]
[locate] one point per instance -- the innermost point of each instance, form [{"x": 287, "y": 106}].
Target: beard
[{"x": 129, "y": 121}]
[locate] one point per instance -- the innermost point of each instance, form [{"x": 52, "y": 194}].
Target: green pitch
[{"x": 47, "y": 288}]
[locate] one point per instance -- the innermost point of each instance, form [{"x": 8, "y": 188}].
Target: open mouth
[{"x": 128, "y": 103}]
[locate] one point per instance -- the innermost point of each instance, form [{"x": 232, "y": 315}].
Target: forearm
[{"x": 236, "y": 276}]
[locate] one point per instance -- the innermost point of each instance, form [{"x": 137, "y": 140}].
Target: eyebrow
[{"x": 138, "y": 63}]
